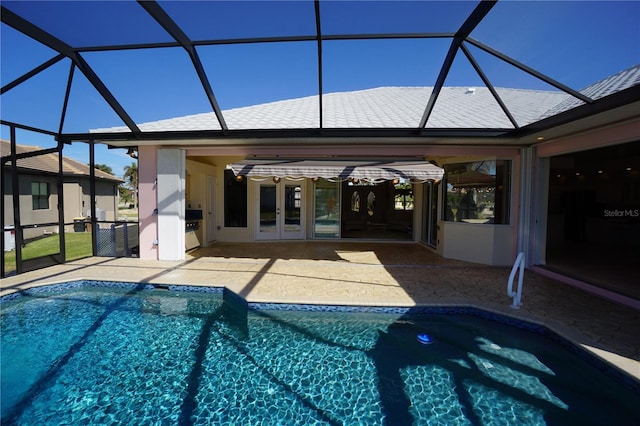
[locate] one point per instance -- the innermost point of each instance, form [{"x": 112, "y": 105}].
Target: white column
[
  {"x": 147, "y": 201},
  {"x": 526, "y": 219},
  {"x": 171, "y": 204}
]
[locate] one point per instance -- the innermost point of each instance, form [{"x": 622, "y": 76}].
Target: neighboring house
[{"x": 39, "y": 192}]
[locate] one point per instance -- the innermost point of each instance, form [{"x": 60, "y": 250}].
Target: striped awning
[{"x": 344, "y": 169}]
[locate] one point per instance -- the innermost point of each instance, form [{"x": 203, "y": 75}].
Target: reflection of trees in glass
[
  {"x": 331, "y": 206},
  {"x": 371, "y": 203},
  {"x": 403, "y": 198},
  {"x": 326, "y": 204},
  {"x": 355, "y": 202},
  {"x": 327, "y": 207},
  {"x": 467, "y": 207},
  {"x": 478, "y": 191}
]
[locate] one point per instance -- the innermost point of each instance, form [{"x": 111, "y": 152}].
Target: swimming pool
[{"x": 106, "y": 353}]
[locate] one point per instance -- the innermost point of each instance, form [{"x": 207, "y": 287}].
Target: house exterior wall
[
  {"x": 197, "y": 196},
  {"x": 34, "y": 217},
  {"x": 147, "y": 201},
  {"x": 73, "y": 203},
  {"x": 489, "y": 244},
  {"x": 217, "y": 167},
  {"x": 171, "y": 204},
  {"x": 482, "y": 243},
  {"x": 478, "y": 243},
  {"x": 76, "y": 197},
  {"x": 28, "y": 215},
  {"x": 627, "y": 131},
  {"x": 7, "y": 212},
  {"x": 106, "y": 199}
]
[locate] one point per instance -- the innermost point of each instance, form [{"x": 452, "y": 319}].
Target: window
[
  {"x": 40, "y": 195},
  {"x": 235, "y": 201},
  {"x": 327, "y": 209},
  {"x": 477, "y": 192},
  {"x": 403, "y": 196},
  {"x": 371, "y": 203},
  {"x": 355, "y": 202}
]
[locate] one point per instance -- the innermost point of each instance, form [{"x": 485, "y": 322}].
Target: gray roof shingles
[
  {"x": 615, "y": 83},
  {"x": 398, "y": 107}
]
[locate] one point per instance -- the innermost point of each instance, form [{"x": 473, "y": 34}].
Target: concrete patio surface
[{"x": 372, "y": 274}]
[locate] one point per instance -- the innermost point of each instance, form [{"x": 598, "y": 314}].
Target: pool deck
[{"x": 372, "y": 274}]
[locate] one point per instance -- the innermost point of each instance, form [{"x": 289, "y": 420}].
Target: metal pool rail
[{"x": 516, "y": 295}]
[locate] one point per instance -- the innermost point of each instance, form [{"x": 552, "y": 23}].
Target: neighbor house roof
[
  {"x": 49, "y": 163},
  {"x": 398, "y": 107}
]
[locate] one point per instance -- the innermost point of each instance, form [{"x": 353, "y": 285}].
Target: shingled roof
[
  {"x": 382, "y": 107},
  {"x": 607, "y": 86},
  {"x": 48, "y": 163},
  {"x": 398, "y": 107}
]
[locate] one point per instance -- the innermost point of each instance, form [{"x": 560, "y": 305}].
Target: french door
[{"x": 280, "y": 213}]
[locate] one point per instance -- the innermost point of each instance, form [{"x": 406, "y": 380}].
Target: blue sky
[{"x": 574, "y": 42}]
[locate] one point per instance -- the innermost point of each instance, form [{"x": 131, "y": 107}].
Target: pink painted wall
[
  {"x": 615, "y": 134},
  {"x": 147, "y": 175}
]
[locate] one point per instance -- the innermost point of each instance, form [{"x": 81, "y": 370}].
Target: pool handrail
[{"x": 516, "y": 295}]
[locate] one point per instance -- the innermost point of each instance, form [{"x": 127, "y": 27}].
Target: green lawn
[{"x": 77, "y": 245}]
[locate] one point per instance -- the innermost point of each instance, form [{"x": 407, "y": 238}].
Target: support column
[
  {"x": 147, "y": 201},
  {"x": 171, "y": 204},
  {"x": 526, "y": 217}
]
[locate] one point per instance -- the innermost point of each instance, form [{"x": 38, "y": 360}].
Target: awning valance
[{"x": 369, "y": 170}]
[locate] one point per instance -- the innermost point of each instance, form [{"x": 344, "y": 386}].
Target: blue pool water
[{"x": 126, "y": 354}]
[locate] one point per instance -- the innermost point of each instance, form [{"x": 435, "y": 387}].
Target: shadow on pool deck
[{"x": 375, "y": 274}]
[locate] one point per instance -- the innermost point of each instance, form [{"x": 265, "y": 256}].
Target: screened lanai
[
  {"x": 101, "y": 64},
  {"x": 438, "y": 80}
]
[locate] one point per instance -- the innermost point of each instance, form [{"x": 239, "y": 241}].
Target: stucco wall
[
  {"x": 171, "y": 204},
  {"x": 197, "y": 195},
  {"x": 478, "y": 243},
  {"x": 28, "y": 215},
  {"x": 147, "y": 172},
  {"x": 106, "y": 199},
  {"x": 489, "y": 244}
]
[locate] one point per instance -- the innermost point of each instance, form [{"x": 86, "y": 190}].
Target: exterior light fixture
[
  {"x": 276, "y": 179},
  {"x": 396, "y": 181},
  {"x": 540, "y": 138},
  {"x": 131, "y": 152},
  {"x": 315, "y": 179},
  {"x": 239, "y": 178}
]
